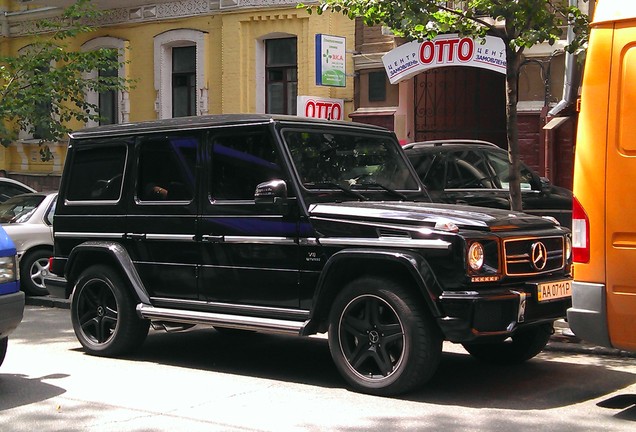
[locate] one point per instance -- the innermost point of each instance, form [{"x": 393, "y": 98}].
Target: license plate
[{"x": 554, "y": 290}]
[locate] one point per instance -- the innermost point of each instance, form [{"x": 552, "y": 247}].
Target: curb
[{"x": 561, "y": 341}]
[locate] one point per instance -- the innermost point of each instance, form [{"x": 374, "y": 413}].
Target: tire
[
  {"x": 4, "y": 342},
  {"x": 103, "y": 314},
  {"x": 522, "y": 346},
  {"x": 33, "y": 267},
  {"x": 381, "y": 339}
]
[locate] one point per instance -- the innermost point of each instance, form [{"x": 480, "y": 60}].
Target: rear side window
[
  {"x": 166, "y": 169},
  {"x": 97, "y": 173}
]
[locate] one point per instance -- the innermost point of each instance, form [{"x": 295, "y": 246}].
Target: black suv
[
  {"x": 296, "y": 226},
  {"x": 476, "y": 173}
]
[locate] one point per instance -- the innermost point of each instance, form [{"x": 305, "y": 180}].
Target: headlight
[
  {"x": 7, "y": 269},
  {"x": 568, "y": 248},
  {"x": 476, "y": 256}
]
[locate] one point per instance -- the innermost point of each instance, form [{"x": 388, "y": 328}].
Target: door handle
[
  {"x": 213, "y": 238},
  {"x": 135, "y": 236}
]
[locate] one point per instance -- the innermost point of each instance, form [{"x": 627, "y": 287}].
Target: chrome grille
[{"x": 533, "y": 255}]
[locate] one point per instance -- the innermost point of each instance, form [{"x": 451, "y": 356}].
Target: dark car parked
[
  {"x": 476, "y": 173},
  {"x": 296, "y": 226}
]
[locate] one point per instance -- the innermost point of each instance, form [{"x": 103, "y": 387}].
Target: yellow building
[{"x": 190, "y": 57}]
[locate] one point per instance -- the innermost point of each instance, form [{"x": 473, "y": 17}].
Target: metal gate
[{"x": 460, "y": 102}]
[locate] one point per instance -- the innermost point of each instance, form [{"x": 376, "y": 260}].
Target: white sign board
[
  {"x": 331, "y": 64},
  {"x": 414, "y": 57},
  {"x": 324, "y": 108}
]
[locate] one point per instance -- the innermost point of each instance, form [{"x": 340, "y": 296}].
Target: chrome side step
[{"x": 269, "y": 325}]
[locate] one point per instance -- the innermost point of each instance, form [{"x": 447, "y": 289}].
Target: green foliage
[
  {"x": 520, "y": 23},
  {"x": 44, "y": 88}
]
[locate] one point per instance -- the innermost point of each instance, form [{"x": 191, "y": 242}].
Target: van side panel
[{"x": 621, "y": 190}]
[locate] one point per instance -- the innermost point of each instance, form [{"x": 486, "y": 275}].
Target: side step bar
[{"x": 269, "y": 325}]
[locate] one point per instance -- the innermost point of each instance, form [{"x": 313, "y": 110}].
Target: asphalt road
[{"x": 202, "y": 380}]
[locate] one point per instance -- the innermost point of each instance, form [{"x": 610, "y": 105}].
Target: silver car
[{"x": 28, "y": 219}]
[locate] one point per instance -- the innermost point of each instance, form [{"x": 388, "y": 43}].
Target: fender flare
[
  {"x": 119, "y": 255},
  {"x": 414, "y": 264}
]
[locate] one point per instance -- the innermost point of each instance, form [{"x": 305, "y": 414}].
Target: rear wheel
[
  {"x": 103, "y": 313},
  {"x": 381, "y": 339},
  {"x": 34, "y": 266},
  {"x": 522, "y": 346}
]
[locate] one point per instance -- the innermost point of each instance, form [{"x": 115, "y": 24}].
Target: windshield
[
  {"x": 19, "y": 208},
  {"x": 352, "y": 165}
]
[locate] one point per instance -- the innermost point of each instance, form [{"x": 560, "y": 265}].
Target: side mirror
[
  {"x": 546, "y": 185},
  {"x": 273, "y": 192}
]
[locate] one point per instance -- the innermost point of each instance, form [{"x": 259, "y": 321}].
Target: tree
[
  {"x": 519, "y": 23},
  {"x": 44, "y": 88}
]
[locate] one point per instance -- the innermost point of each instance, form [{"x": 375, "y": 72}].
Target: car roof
[
  {"x": 200, "y": 122},
  {"x": 450, "y": 144},
  {"x": 16, "y": 182}
]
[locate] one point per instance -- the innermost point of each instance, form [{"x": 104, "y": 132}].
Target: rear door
[
  {"x": 161, "y": 220},
  {"x": 621, "y": 191}
]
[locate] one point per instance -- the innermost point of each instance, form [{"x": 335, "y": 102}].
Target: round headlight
[
  {"x": 568, "y": 248},
  {"x": 476, "y": 256}
]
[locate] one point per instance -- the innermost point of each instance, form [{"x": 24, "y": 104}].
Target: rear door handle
[{"x": 213, "y": 238}]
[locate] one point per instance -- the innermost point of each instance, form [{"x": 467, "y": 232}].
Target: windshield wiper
[
  {"x": 336, "y": 186},
  {"x": 384, "y": 188}
]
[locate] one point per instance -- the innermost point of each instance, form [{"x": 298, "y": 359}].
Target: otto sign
[
  {"x": 324, "y": 108},
  {"x": 412, "y": 58}
]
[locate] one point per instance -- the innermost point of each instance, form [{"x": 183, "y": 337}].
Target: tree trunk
[{"x": 512, "y": 128}]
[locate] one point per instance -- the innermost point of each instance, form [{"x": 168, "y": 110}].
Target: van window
[
  {"x": 166, "y": 168},
  {"x": 97, "y": 174},
  {"x": 240, "y": 162}
]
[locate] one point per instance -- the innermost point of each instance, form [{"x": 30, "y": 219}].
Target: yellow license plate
[{"x": 554, "y": 290}]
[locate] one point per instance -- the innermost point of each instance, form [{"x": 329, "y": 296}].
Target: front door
[{"x": 249, "y": 252}]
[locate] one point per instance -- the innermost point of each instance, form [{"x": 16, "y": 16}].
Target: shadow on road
[
  {"x": 18, "y": 390},
  {"x": 548, "y": 381}
]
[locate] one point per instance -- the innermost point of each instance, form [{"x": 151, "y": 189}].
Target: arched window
[
  {"x": 179, "y": 73},
  {"x": 114, "y": 106}
]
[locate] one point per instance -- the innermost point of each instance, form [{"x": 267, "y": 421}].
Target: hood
[{"x": 428, "y": 215}]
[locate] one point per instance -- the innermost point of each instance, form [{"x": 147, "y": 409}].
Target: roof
[
  {"x": 459, "y": 143},
  {"x": 200, "y": 122},
  {"x": 614, "y": 10}
]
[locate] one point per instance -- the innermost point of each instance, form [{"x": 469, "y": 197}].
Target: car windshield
[
  {"x": 19, "y": 208},
  {"x": 350, "y": 164}
]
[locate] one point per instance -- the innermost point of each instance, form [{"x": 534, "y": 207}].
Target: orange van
[{"x": 604, "y": 208}]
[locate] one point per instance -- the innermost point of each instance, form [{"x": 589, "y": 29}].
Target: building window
[
  {"x": 179, "y": 73},
  {"x": 184, "y": 71},
  {"x": 113, "y": 106},
  {"x": 281, "y": 76},
  {"x": 107, "y": 100},
  {"x": 377, "y": 86}
]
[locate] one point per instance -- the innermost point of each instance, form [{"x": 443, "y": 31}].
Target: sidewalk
[{"x": 563, "y": 340}]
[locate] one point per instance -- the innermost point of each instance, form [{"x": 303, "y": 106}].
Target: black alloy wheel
[
  {"x": 4, "y": 342},
  {"x": 381, "y": 339},
  {"x": 103, "y": 314}
]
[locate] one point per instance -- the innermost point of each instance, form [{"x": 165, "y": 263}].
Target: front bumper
[
  {"x": 495, "y": 314},
  {"x": 11, "y": 312}
]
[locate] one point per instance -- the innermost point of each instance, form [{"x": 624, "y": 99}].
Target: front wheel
[
  {"x": 103, "y": 313},
  {"x": 34, "y": 266},
  {"x": 4, "y": 342},
  {"x": 521, "y": 346},
  {"x": 382, "y": 340}
]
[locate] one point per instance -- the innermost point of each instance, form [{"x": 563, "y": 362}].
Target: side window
[
  {"x": 430, "y": 169},
  {"x": 166, "y": 168},
  {"x": 468, "y": 169},
  {"x": 240, "y": 161},
  {"x": 97, "y": 173},
  {"x": 501, "y": 166}
]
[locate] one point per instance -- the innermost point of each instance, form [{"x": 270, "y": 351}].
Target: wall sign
[
  {"x": 324, "y": 108},
  {"x": 331, "y": 61},
  {"x": 414, "y": 57}
]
